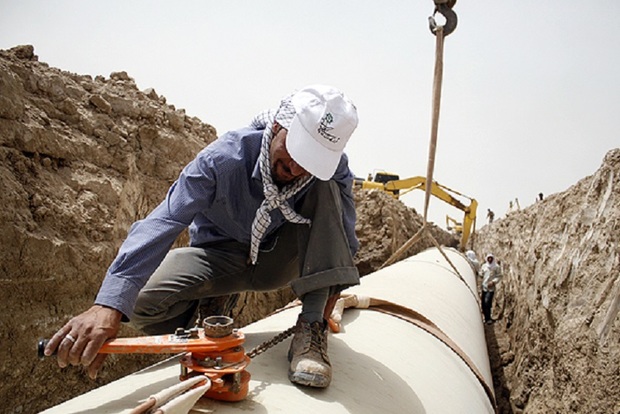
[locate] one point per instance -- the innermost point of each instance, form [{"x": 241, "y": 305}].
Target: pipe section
[{"x": 381, "y": 362}]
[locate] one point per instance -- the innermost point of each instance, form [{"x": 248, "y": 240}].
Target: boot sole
[{"x": 308, "y": 379}]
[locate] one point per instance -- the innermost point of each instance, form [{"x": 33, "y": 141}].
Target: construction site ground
[{"x": 84, "y": 157}]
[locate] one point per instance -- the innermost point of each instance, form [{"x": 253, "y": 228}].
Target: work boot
[{"x": 308, "y": 355}]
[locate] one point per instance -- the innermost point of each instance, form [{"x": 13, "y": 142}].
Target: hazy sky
[{"x": 531, "y": 89}]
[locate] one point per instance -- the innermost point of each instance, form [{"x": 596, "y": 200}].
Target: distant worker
[
  {"x": 491, "y": 274},
  {"x": 267, "y": 205},
  {"x": 540, "y": 196},
  {"x": 490, "y": 215},
  {"x": 473, "y": 260}
]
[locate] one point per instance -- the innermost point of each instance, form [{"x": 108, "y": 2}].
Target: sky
[{"x": 529, "y": 101}]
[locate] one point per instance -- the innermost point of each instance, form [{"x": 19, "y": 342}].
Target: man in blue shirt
[{"x": 266, "y": 205}]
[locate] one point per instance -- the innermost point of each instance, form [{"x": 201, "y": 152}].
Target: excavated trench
[{"x": 83, "y": 157}]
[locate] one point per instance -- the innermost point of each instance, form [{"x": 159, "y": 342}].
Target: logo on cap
[{"x": 324, "y": 128}]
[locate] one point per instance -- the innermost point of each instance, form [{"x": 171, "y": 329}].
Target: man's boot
[{"x": 308, "y": 355}]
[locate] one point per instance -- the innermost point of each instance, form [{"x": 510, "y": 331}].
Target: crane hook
[{"x": 445, "y": 9}]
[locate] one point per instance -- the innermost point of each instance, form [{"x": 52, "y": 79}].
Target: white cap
[{"x": 323, "y": 121}]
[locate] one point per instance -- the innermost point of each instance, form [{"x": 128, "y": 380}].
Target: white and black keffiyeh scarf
[{"x": 274, "y": 197}]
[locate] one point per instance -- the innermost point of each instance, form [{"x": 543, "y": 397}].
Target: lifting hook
[{"x": 444, "y": 7}]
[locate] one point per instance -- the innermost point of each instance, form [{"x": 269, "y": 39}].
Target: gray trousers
[{"x": 309, "y": 257}]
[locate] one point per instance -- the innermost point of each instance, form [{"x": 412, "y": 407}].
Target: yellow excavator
[
  {"x": 393, "y": 184},
  {"x": 453, "y": 225}
]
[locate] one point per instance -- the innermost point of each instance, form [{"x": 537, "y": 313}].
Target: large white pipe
[{"x": 381, "y": 363}]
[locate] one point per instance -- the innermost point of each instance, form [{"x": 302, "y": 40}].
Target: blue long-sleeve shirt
[{"x": 216, "y": 196}]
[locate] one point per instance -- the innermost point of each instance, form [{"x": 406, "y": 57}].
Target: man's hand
[{"x": 79, "y": 341}]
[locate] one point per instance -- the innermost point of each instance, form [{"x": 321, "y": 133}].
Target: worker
[
  {"x": 473, "y": 260},
  {"x": 266, "y": 205},
  {"x": 491, "y": 274},
  {"x": 490, "y": 215}
]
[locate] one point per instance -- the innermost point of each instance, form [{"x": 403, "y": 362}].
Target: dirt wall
[
  {"x": 556, "y": 345},
  {"x": 82, "y": 159}
]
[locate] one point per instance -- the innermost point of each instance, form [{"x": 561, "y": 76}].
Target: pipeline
[{"x": 418, "y": 348}]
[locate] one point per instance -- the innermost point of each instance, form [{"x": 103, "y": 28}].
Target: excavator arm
[
  {"x": 454, "y": 225},
  {"x": 398, "y": 187}
]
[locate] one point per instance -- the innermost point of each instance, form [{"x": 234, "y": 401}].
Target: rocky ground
[{"x": 84, "y": 157}]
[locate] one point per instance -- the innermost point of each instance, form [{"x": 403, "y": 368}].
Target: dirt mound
[
  {"x": 82, "y": 159},
  {"x": 384, "y": 225}
]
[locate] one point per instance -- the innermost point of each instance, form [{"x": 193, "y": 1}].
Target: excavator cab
[
  {"x": 384, "y": 177},
  {"x": 378, "y": 182}
]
